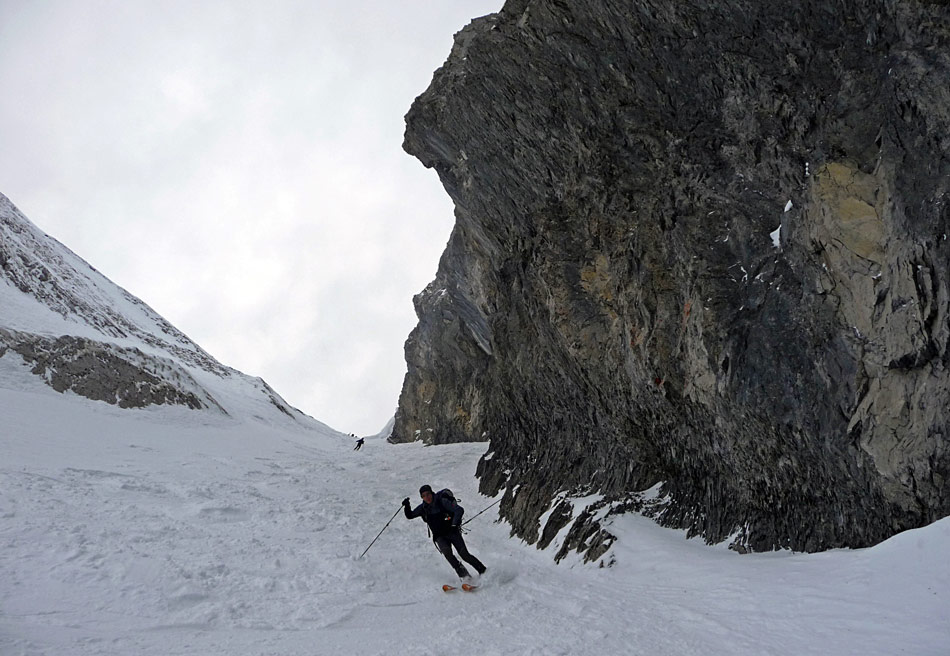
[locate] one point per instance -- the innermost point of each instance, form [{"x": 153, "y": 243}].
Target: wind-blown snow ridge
[
  {"x": 40, "y": 266},
  {"x": 84, "y": 334}
]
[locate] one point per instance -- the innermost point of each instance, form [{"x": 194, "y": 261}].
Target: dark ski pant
[{"x": 444, "y": 544}]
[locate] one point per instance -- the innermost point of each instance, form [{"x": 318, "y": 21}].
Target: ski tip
[
  {"x": 469, "y": 588},
  {"x": 448, "y": 588}
]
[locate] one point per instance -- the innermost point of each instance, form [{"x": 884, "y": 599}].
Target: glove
[{"x": 405, "y": 502}]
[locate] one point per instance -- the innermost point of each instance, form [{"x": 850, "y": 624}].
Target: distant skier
[
  {"x": 444, "y": 516},
  {"x": 359, "y": 443}
]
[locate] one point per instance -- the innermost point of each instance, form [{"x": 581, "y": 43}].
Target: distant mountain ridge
[{"x": 81, "y": 332}]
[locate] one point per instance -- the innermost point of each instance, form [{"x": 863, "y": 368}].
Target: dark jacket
[{"x": 443, "y": 516}]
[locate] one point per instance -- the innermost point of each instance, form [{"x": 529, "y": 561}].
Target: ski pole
[
  {"x": 381, "y": 532},
  {"x": 477, "y": 514}
]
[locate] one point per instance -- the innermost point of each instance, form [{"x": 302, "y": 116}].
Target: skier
[
  {"x": 359, "y": 443},
  {"x": 444, "y": 517}
]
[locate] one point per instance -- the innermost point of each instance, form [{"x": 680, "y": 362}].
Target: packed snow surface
[{"x": 167, "y": 531}]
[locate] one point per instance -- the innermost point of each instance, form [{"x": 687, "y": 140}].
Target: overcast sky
[{"x": 238, "y": 166}]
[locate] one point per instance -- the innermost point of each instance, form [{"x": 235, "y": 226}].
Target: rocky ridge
[
  {"x": 81, "y": 333},
  {"x": 700, "y": 267}
]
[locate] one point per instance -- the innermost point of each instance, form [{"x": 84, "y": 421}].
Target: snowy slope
[
  {"x": 61, "y": 314},
  {"x": 166, "y": 531},
  {"x": 236, "y": 529}
]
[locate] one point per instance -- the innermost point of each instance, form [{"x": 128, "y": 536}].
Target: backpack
[{"x": 447, "y": 501}]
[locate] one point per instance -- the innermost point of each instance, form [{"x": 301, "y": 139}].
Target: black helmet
[{"x": 425, "y": 488}]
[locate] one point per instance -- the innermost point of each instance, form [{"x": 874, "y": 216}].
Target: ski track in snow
[{"x": 150, "y": 532}]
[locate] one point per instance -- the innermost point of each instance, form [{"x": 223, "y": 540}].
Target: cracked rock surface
[{"x": 700, "y": 249}]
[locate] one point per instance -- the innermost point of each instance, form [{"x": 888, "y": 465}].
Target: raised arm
[{"x": 411, "y": 512}]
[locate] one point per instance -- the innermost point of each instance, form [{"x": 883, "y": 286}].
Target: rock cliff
[{"x": 699, "y": 268}]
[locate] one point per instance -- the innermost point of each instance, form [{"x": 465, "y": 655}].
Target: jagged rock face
[
  {"x": 697, "y": 244},
  {"x": 105, "y": 372}
]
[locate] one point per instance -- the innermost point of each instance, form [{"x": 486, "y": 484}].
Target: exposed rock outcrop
[
  {"x": 106, "y": 372},
  {"x": 700, "y": 245}
]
